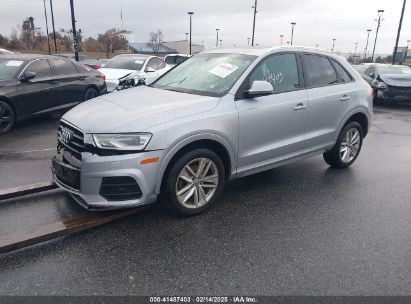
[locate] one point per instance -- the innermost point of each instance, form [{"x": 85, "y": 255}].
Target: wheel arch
[
  {"x": 6, "y": 100},
  {"x": 209, "y": 141},
  {"x": 359, "y": 115}
]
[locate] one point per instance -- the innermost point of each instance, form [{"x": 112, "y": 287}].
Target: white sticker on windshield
[
  {"x": 15, "y": 63},
  {"x": 139, "y": 61},
  {"x": 223, "y": 69}
]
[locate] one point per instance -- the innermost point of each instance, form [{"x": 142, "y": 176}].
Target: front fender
[{"x": 179, "y": 144}]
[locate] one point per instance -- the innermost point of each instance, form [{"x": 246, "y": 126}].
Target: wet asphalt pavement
[{"x": 302, "y": 229}]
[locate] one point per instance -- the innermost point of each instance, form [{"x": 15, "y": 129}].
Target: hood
[
  {"x": 136, "y": 110},
  {"x": 396, "y": 80},
  {"x": 117, "y": 73},
  {"x": 7, "y": 82}
]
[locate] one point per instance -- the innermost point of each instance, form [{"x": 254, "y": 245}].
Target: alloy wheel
[
  {"x": 350, "y": 145},
  {"x": 197, "y": 183},
  {"x": 6, "y": 116}
]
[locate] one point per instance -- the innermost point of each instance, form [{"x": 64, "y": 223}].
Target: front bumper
[
  {"x": 395, "y": 93},
  {"x": 94, "y": 168}
]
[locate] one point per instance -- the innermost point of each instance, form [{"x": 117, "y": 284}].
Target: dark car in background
[
  {"x": 390, "y": 82},
  {"x": 90, "y": 62},
  {"x": 32, "y": 85}
]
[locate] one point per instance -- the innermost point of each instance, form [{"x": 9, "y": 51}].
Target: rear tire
[
  {"x": 7, "y": 117},
  {"x": 347, "y": 148},
  {"x": 194, "y": 182},
  {"x": 90, "y": 94}
]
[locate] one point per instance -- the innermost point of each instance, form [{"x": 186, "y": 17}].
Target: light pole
[
  {"x": 186, "y": 36},
  {"x": 281, "y": 36},
  {"x": 317, "y": 45},
  {"x": 221, "y": 42},
  {"x": 380, "y": 12},
  {"x": 355, "y": 51},
  {"x": 73, "y": 22},
  {"x": 216, "y": 42},
  {"x": 47, "y": 26},
  {"x": 248, "y": 41},
  {"x": 191, "y": 15},
  {"x": 366, "y": 46},
  {"x": 332, "y": 50},
  {"x": 399, "y": 32},
  {"x": 52, "y": 22},
  {"x": 292, "y": 31},
  {"x": 255, "y": 14}
]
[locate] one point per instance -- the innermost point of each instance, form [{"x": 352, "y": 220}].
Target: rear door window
[
  {"x": 64, "y": 67},
  {"x": 318, "y": 71},
  {"x": 41, "y": 68}
]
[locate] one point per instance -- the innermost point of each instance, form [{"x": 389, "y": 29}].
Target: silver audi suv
[{"x": 222, "y": 114}]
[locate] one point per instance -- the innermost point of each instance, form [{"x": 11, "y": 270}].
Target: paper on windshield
[
  {"x": 15, "y": 63},
  {"x": 223, "y": 69}
]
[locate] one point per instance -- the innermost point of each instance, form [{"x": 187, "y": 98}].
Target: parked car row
[
  {"x": 390, "y": 82},
  {"x": 32, "y": 85}
]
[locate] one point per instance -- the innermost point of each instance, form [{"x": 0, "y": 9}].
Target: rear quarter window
[{"x": 344, "y": 76}]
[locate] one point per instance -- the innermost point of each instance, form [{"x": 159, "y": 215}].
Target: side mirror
[
  {"x": 28, "y": 75},
  {"x": 150, "y": 70},
  {"x": 260, "y": 88}
]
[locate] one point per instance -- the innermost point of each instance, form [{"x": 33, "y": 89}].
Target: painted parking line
[{"x": 27, "y": 151}]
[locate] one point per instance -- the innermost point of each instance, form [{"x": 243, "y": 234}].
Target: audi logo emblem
[{"x": 65, "y": 135}]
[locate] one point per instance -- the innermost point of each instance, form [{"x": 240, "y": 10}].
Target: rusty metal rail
[
  {"x": 62, "y": 228},
  {"x": 26, "y": 190}
]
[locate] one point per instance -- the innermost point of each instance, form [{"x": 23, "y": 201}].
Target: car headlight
[
  {"x": 130, "y": 141},
  {"x": 380, "y": 85}
]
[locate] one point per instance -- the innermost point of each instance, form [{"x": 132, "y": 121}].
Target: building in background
[
  {"x": 403, "y": 55},
  {"x": 165, "y": 48}
]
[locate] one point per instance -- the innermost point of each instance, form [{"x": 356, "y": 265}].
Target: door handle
[
  {"x": 53, "y": 82},
  {"x": 300, "y": 106},
  {"x": 345, "y": 98},
  {"x": 82, "y": 78}
]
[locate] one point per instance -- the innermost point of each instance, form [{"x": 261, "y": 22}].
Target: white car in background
[
  {"x": 4, "y": 51},
  {"x": 129, "y": 70}
]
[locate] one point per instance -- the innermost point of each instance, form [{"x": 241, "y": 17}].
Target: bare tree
[{"x": 155, "y": 41}]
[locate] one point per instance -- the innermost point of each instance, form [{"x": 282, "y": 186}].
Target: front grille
[
  {"x": 73, "y": 144},
  {"x": 120, "y": 188}
]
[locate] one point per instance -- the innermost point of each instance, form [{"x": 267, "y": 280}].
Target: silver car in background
[{"x": 222, "y": 114}]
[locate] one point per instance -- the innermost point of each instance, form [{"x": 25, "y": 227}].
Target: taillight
[
  {"x": 373, "y": 92},
  {"x": 97, "y": 66},
  {"x": 102, "y": 76}
]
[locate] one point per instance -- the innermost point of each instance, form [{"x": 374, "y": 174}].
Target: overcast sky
[{"x": 318, "y": 21}]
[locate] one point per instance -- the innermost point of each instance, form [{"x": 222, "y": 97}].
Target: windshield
[
  {"x": 128, "y": 63},
  {"x": 394, "y": 70},
  {"x": 206, "y": 74},
  {"x": 9, "y": 68}
]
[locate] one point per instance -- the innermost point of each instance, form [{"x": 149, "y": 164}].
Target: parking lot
[{"x": 301, "y": 229}]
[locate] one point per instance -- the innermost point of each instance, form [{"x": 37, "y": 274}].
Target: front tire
[
  {"x": 7, "y": 117},
  {"x": 194, "y": 182},
  {"x": 347, "y": 148}
]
